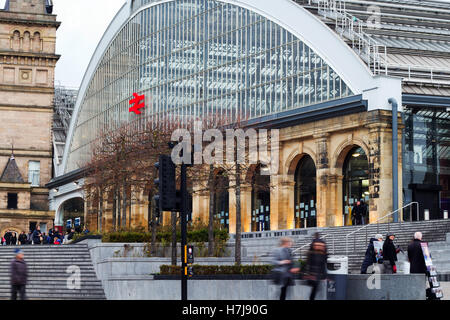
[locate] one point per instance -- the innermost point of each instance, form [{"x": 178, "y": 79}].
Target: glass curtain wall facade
[
  {"x": 426, "y": 157},
  {"x": 199, "y": 59}
]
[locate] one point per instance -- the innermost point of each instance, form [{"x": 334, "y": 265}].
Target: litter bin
[{"x": 337, "y": 269}]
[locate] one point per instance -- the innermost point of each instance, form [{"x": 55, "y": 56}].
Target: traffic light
[
  {"x": 190, "y": 271},
  {"x": 190, "y": 254},
  {"x": 166, "y": 199}
]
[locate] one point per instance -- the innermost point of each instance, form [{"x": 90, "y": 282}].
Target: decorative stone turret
[{"x": 29, "y": 6}]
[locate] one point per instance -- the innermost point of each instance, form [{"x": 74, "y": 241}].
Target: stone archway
[
  {"x": 305, "y": 193},
  {"x": 69, "y": 210},
  {"x": 351, "y": 186},
  {"x": 13, "y": 229}
]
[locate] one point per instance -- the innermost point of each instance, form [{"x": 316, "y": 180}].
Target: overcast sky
[{"x": 83, "y": 23}]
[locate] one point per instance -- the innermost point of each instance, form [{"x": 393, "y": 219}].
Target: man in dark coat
[
  {"x": 357, "y": 213},
  {"x": 71, "y": 234},
  {"x": 415, "y": 255},
  {"x": 389, "y": 254},
  {"x": 23, "y": 238},
  {"x": 316, "y": 264},
  {"x": 19, "y": 276},
  {"x": 8, "y": 238},
  {"x": 284, "y": 268},
  {"x": 13, "y": 239},
  {"x": 370, "y": 257},
  {"x": 37, "y": 235},
  {"x": 365, "y": 213}
]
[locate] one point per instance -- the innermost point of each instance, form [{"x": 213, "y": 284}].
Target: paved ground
[{"x": 446, "y": 290}]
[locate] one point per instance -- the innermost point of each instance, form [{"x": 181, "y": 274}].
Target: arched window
[
  {"x": 26, "y": 42},
  {"x": 356, "y": 182},
  {"x": 37, "y": 42},
  {"x": 260, "y": 200},
  {"x": 305, "y": 194},
  {"x": 15, "y": 45}
]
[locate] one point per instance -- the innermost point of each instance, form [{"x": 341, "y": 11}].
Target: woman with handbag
[{"x": 284, "y": 270}]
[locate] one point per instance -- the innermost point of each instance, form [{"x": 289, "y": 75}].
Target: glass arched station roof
[{"x": 198, "y": 58}]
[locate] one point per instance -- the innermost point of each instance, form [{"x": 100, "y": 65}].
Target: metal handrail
[
  {"x": 367, "y": 48},
  {"x": 371, "y": 51},
  {"x": 378, "y": 221},
  {"x": 308, "y": 244}
]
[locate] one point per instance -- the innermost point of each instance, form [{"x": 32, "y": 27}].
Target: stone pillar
[
  {"x": 246, "y": 208},
  {"x": 281, "y": 202},
  {"x": 200, "y": 206},
  {"x": 246, "y": 205},
  {"x": 286, "y": 204},
  {"x": 380, "y": 171},
  {"x": 232, "y": 206},
  {"x": 335, "y": 199},
  {"x": 274, "y": 202},
  {"x": 325, "y": 216}
]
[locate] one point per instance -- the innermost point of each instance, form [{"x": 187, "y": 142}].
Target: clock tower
[{"x": 27, "y": 69}]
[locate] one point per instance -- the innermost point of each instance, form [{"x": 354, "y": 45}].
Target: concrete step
[
  {"x": 54, "y": 280},
  {"x": 47, "y": 267},
  {"x": 49, "y": 296},
  {"x": 56, "y": 289},
  {"x": 435, "y": 231}
]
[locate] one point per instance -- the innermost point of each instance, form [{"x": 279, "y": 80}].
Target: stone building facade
[
  {"x": 27, "y": 68},
  {"x": 280, "y": 65}
]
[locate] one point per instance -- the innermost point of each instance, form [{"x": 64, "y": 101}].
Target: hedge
[
  {"x": 140, "y": 237},
  {"x": 219, "y": 270},
  {"x": 194, "y": 236}
]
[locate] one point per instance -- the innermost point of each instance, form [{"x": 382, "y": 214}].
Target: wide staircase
[
  {"x": 52, "y": 272},
  {"x": 355, "y": 245},
  {"x": 440, "y": 255}
]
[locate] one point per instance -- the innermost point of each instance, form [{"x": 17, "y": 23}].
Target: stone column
[
  {"x": 246, "y": 207},
  {"x": 200, "y": 206},
  {"x": 286, "y": 204},
  {"x": 274, "y": 202},
  {"x": 246, "y": 204},
  {"x": 232, "y": 206},
  {"x": 325, "y": 217},
  {"x": 335, "y": 199},
  {"x": 380, "y": 171}
]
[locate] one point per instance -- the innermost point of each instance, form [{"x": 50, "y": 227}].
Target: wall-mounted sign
[{"x": 138, "y": 102}]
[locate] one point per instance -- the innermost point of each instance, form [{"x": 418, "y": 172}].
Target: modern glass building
[
  {"x": 314, "y": 69},
  {"x": 198, "y": 58}
]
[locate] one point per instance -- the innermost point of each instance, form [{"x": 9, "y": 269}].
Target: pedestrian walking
[
  {"x": 284, "y": 269},
  {"x": 415, "y": 255},
  {"x": 23, "y": 238},
  {"x": 389, "y": 254},
  {"x": 316, "y": 264},
  {"x": 370, "y": 258},
  {"x": 19, "y": 276},
  {"x": 37, "y": 235}
]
